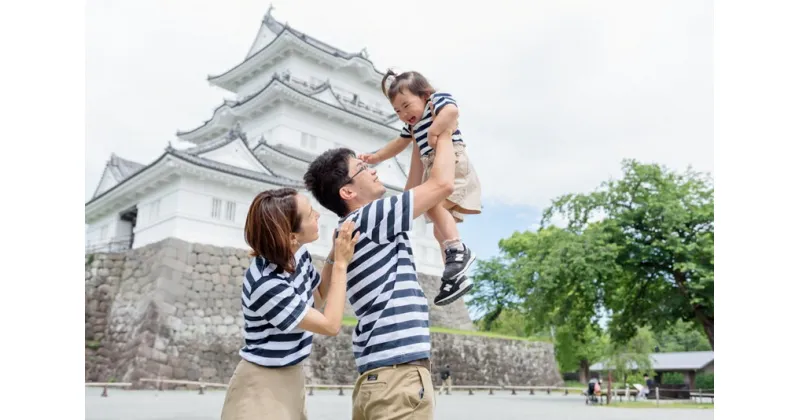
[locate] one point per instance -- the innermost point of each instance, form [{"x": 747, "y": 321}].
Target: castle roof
[
  {"x": 283, "y": 32},
  {"x": 192, "y": 157},
  {"x": 288, "y": 87}
]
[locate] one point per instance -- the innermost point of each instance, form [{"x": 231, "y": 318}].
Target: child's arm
[
  {"x": 392, "y": 149},
  {"x": 415, "y": 172}
]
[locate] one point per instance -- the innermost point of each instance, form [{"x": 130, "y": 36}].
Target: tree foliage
[
  {"x": 493, "y": 291},
  {"x": 637, "y": 252},
  {"x": 682, "y": 336},
  {"x": 634, "y": 355},
  {"x": 577, "y": 351},
  {"x": 654, "y": 229}
]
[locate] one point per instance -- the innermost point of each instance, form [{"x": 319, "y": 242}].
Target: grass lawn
[
  {"x": 351, "y": 321},
  {"x": 652, "y": 404}
]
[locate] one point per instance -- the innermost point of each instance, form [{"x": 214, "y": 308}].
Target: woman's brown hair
[
  {"x": 271, "y": 220},
  {"x": 412, "y": 81}
]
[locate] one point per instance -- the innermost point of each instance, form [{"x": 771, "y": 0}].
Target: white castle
[{"x": 296, "y": 97}]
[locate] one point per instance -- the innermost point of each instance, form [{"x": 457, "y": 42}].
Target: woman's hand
[{"x": 345, "y": 243}]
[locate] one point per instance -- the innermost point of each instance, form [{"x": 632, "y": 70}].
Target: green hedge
[
  {"x": 672, "y": 378},
  {"x": 701, "y": 381},
  {"x": 704, "y": 381}
]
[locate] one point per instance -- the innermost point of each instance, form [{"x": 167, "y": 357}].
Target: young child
[{"x": 427, "y": 114}]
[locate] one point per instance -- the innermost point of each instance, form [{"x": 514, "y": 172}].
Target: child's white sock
[{"x": 453, "y": 244}]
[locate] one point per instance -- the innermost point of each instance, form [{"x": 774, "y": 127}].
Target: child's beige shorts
[{"x": 467, "y": 195}]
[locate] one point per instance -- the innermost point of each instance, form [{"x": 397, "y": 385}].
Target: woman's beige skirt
[
  {"x": 466, "y": 198},
  {"x": 263, "y": 393}
]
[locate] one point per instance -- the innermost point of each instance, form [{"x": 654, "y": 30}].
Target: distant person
[
  {"x": 649, "y": 385},
  {"x": 446, "y": 379},
  {"x": 416, "y": 103},
  {"x": 280, "y": 292},
  {"x": 391, "y": 341}
]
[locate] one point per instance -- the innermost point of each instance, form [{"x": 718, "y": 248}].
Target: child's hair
[{"x": 412, "y": 81}]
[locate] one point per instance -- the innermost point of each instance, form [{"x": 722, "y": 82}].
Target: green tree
[
  {"x": 515, "y": 323},
  {"x": 623, "y": 359},
  {"x": 493, "y": 291},
  {"x": 656, "y": 227},
  {"x": 556, "y": 274},
  {"x": 682, "y": 336},
  {"x": 577, "y": 351}
]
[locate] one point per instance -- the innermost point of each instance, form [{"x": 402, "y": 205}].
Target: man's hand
[{"x": 435, "y": 130}]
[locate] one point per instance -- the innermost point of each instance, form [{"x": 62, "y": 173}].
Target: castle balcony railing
[{"x": 116, "y": 244}]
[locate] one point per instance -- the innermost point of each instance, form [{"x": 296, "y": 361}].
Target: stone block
[
  {"x": 199, "y": 285},
  {"x": 174, "y": 264}
]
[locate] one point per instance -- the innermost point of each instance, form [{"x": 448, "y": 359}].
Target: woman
[{"x": 279, "y": 294}]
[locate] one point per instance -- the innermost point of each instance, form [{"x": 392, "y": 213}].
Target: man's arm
[
  {"x": 440, "y": 184},
  {"x": 415, "y": 172},
  {"x": 446, "y": 118},
  {"x": 445, "y": 111}
]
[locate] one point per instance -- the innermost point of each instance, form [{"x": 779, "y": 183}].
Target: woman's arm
[
  {"x": 329, "y": 322},
  {"x": 321, "y": 294}
]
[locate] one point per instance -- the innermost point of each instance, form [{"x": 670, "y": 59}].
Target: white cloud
[{"x": 553, "y": 96}]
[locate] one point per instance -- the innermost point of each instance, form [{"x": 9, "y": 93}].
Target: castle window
[
  {"x": 216, "y": 208},
  {"x": 308, "y": 141},
  {"x": 230, "y": 211}
]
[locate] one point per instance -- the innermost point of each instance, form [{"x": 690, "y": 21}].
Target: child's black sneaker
[
  {"x": 456, "y": 262},
  {"x": 451, "y": 290}
]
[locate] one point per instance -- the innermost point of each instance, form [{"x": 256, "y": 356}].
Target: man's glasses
[{"x": 361, "y": 168}]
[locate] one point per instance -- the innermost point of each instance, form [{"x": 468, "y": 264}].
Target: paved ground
[{"x": 328, "y": 405}]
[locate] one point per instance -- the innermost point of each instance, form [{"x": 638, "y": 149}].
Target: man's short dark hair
[{"x": 328, "y": 173}]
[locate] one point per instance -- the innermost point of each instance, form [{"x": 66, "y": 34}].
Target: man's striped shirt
[
  {"x": 382, "y": 286},
  {"x": 274, "y": 302},
  {"x": 420, "y": 129}
]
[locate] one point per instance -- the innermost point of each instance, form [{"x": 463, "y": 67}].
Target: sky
[{"x": 553, "y": 95}]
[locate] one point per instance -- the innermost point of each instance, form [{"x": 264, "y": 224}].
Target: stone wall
[
  {"x": 473, "y": 360},
  {"x": 172, "y": 309}
]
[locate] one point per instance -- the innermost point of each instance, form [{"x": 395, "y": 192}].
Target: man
[
  {"x": 446, "y": 380},
  {"x": 391, "y": 342}
]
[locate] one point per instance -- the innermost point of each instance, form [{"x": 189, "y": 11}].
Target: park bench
[
  {"x": 341, "y": 388},
  {"x": 472, "y": 388},
  {"x": 106, "y": 385}
]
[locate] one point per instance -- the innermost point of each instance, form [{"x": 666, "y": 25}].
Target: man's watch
[{"x": 329, "y": 261}]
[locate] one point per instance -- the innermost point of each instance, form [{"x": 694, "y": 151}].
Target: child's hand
[
  {"x": 432, "y": 140},
  {"x": 369, "y": 158}
]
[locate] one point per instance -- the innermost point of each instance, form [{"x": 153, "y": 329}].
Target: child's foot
[
  {"x": 456, "y": 262},
  {"x": 451, "y": 290}
]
